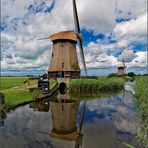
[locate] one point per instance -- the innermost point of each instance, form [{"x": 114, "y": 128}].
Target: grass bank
[
  {"x": 141, "y": 101},
  {"x": 99, "y": 84},
  {"x": 16, "y": 92}
]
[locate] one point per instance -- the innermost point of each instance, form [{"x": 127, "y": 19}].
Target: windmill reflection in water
[{"x": 64, "y": 118}]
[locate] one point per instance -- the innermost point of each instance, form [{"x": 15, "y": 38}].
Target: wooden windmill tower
[
  {"x": 121, "y": 69},
  {"x": 64, "y": 61}
]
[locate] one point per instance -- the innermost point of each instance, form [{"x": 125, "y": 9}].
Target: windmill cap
[
  {"x": 64, "y": 35},
  {"x": 121, "y": 67}
]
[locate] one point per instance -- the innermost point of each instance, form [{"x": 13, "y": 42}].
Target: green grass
[
  {"x": 15, "y": 97},
  {"x": 52, "y": 83},
  {"x": 141, "y": 101},
  {"x": 16, "y": 92},
  {"x": 9, "y": 82},
  {"x": 101, "y": 84}
]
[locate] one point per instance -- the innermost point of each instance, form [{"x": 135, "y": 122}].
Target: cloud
[
  {"x": 128, "y": 55},
  {"x": 135, "y": 27},
  {"x": 98, "y": 16},
  {"x": 140, "y": 60},
  {"x": 41, "y": 18}
]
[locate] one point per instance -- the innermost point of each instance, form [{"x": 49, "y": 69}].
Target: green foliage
[
  {"x": 131, "y": 74},
  {"x": 112, "y": 75},
  {"x": 141, "y": 100},
  {"x": 101, "y": 84}
]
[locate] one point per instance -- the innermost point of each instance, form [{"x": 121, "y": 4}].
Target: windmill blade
[
  {"x": 82, "y": 117},
  {"x": 76, "y": 19},
  {"x": 43, "y": 38},
  {"x": 77, "y": 26},
  {"x": 82, "y": 56},
  {"x": 123, "y": 62}
]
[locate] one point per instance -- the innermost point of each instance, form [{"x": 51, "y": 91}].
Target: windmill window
[
  {"x": 52, "y": 54},
  {"x": 62, "y": 65}
]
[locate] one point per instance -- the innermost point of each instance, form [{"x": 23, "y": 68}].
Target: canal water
[{"x": 61, "y": 123}]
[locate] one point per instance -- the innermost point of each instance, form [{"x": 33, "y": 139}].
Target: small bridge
[{"x": 62, "y": 84}]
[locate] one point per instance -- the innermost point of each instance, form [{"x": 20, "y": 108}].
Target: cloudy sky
[{"x": 112, "y": 30}]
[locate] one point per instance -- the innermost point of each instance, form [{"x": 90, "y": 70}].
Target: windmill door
[{"x": 60, "y": 74}]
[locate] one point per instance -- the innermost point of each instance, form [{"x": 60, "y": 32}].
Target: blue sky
[{"x": 111, "y": 29}]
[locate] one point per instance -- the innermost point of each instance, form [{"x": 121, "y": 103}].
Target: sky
[{"x": 111, "y": 29}]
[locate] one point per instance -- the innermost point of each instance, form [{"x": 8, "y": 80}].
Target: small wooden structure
[{"x": 64, "y": 61}]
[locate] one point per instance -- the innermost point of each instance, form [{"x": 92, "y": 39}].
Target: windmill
[
  {"x": 64, "y": 61},
  {"x": 121, "y": 69}
]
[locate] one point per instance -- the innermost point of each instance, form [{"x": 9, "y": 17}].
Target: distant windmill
[
  {"x": 121, "y": 69},
  {"x": 64, "y": 61}
]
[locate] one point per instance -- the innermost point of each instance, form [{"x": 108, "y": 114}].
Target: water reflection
[
  {"x": 2, "y": 112},
  {"x": 61, "y": 122},
  {"x": 64, "y": 115}
]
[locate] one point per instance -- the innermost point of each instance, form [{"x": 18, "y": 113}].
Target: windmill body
[
  {"x": 121, "y": 69},
  {"x": 64, "y": 61}
]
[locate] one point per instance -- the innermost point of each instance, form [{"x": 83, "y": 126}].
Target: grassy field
[
  {"x": 100, "y": 84},
  {"x": 141, "y": 101},
  {"x": 16, "y": 91}
]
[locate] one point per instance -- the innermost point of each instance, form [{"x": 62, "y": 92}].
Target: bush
[
  {"x": 131, "y": 74},
  {"x": 112, "y": 75}
]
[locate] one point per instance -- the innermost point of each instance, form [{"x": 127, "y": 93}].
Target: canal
[{"x": 60, "y": 122}]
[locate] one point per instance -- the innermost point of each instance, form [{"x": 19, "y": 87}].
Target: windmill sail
[
  {"x": 77, "y": 26},
  {"x": 123, "y": 62}
]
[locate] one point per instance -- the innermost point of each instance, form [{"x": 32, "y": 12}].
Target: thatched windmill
[
  {"x": 64, "y": 61},
  {"x": 121, "y": 69}
]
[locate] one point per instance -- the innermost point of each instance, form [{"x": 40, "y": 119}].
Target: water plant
[
  {"x": 100, "y": 84},
  {"x": 141, "y": 101}
]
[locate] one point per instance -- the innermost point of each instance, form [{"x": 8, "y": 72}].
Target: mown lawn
[
  {"x": 15, "y": 91},
  {"x": 9, "y": 82}
]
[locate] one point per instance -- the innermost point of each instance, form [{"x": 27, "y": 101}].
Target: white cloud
[
  {"x": 98, "y": 16},
  {"x": 140, "y": 60},
  {"x": 135, "y": 27},
  {"x": 128, "y": 55},
  {"x": 134, "y": 8}
]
